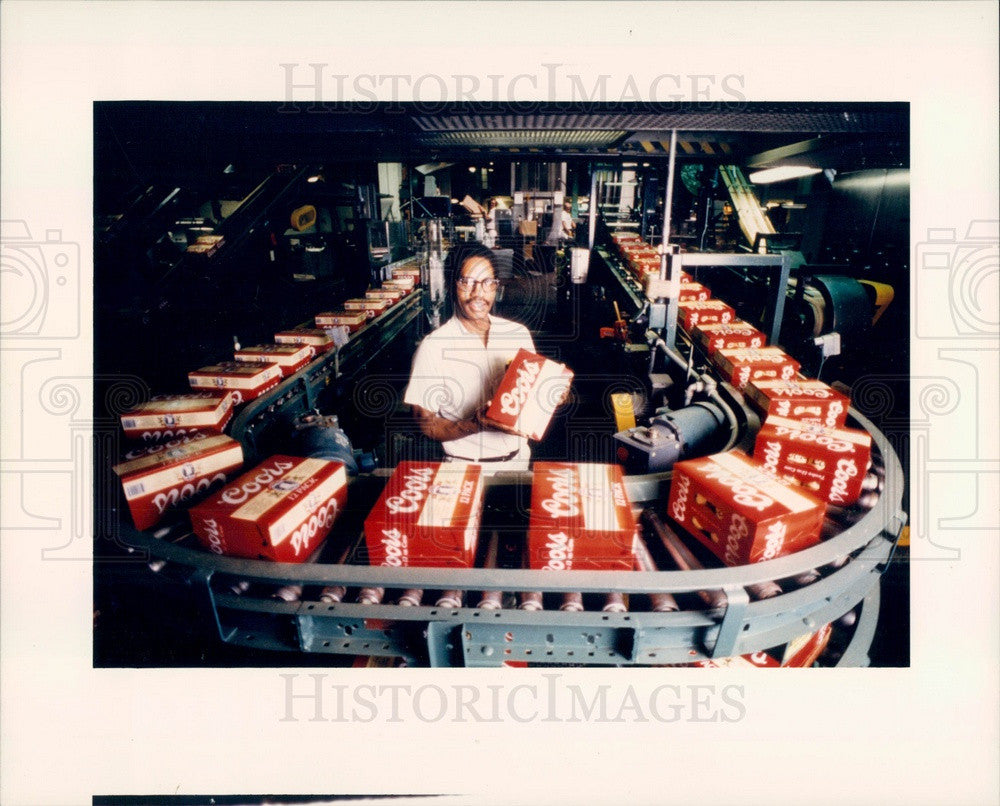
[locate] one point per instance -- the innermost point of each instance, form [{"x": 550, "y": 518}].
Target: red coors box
[
  {"x": 580, "y": 518},
  {"x": 694, "y": 292},
  {"x": 352, "y": 320},
  {"x": 405, "y": 283},
  {"x": 709, "y": 311},
  {"x": 743, "y": 365},
  {"x": 166, "y": 416},
  {"x": 317, "y": 338},
  {"x": 807, "y": 401},
  {"x": 158, "y": 478},
  {"x": 371, "y": 307},
  {"x": 427, "y": 516},
  {"x": 757, "y": 660},
  {"x": 733, "y": 336},
  {"x": 530, "y": 391},
  {"x": 740, "y": 511},
  {"x": 243, "y": 379},
  {"x": 391, "y": 294},
  {"x": 407, "y": 273},
  {"x": 281, "y": 510},
  {"x": 290, "y": 357},
  {"x": 800, "y": 653},
  {"x": 830, "y": 462}
]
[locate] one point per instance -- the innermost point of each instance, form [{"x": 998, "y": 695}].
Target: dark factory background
[{"x": 167, "y": 173}]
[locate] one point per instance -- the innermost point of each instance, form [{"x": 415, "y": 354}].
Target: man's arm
[{"x": 438, "y": 428}]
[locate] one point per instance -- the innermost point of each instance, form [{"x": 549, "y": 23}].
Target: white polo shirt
[{"x": 454, "y": 374}]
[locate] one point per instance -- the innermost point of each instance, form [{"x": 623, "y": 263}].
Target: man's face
[{"x": 473, "y": 298}]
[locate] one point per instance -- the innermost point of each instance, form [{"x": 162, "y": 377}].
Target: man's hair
[{"x": 460, "y": 253}]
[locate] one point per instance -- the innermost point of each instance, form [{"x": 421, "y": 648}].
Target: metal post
[
  {"x": 592, "y": 231},
  {"x": 666, "y": 258},
  {"x": 669, "y": 200}
]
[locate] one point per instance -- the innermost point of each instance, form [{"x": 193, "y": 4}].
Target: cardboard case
[
  {"x": 427, "y": 516},
  {"x": 163, "y": 476},
  {"x": 281, "y": 510},
  {"x": 740, "y": 511},
  {"x": 807, "y": 401},
  {"x": 244, "y": 380},
  {"x": 580, "y": 518},
  {"x": 169, "y": 416},
  {"x": 829, "y": 462},
  {"x": 531, "y": 390},
  {"x": 290, "y": 357}
]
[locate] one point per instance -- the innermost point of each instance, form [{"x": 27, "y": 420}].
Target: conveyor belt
[
  {"x": 298, "y": 394},
  {"x": 847, "y": 568},
  {"x": 819, "y": 584}
]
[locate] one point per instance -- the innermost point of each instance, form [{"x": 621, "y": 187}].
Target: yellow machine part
[
  {"x": 883, "y": 296},
  {"x": 303, "y": 217},
  {"x": 624, "y": 411}
]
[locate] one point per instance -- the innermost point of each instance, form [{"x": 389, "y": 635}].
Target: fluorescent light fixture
[
  {"x": 781, "y": 174},
  {"x": 430, "y": 167}
]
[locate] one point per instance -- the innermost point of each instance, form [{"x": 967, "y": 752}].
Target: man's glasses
[{"x": 489, "y": 284}]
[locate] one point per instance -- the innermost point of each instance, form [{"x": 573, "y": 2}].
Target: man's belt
[{"x": 505, "y": 458}]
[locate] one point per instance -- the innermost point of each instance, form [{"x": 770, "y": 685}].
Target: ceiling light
[
  {"x": 430, "y": 167},
  {"x": 781, "y": 174}
]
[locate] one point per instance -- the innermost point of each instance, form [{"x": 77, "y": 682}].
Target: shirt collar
[{"x": 467, "y": 332}]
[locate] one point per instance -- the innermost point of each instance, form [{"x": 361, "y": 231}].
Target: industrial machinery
[
  {"x": 678, "y": 609},
  {"x": 641, "y": 366}
]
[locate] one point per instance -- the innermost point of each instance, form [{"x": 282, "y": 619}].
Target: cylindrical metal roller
[
  {"x": 450, "y": 599},
  {"x": 531, "y": 600},
  {"x": 806, "y": 578},
  {"x": 572, "y": 602},
  {"x": 332, "y": 594},
  {"x": 660, "y": 602},
  {"x": 870, "y": 483},
  {"x": 764, "y": 590},
  {"x": 491, "y": 600},
  {"x": 848, "y": 620},
  {"x": 682, "y": 556},
  {"x": 615, "y": 603},
  {"x": 288, "y": 593},
  {"x": 371, "y": 596},
  {"x": 411, "y": 597}
]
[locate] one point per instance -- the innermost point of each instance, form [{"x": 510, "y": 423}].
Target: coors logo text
[
  {"x": 512, "y": 402},
  {"x": 415, "y": 485},
  {"x": 564, "y": 501},
  {"x": 263, "y": 477}
]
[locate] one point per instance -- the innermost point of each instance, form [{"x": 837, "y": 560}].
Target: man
[{"x": 459, "y": 366}]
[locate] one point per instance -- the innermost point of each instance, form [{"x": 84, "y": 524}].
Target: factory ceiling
[{"x": 195, "y": 137}]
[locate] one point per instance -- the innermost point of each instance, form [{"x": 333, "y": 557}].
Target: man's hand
[{"x": 443, "y": 430}]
